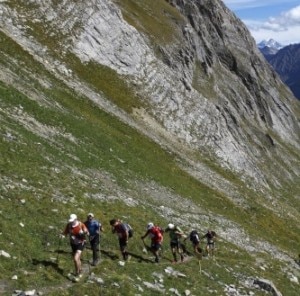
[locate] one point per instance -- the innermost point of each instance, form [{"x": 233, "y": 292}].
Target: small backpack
[
  {"x": 193, "y": 235},
  {"x": 129, "y": 229},
  {"x": 77, "y": 236}
]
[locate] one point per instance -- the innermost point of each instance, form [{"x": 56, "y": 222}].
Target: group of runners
[
  {"x": 177, "y": 238},
  {"x": 79, "y": 232}
]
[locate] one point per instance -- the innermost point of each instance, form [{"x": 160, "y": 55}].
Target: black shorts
[
  {"x": 155, "y": 246},
  {"x": 95, "y": 240},
  {"x": 77, "y": 247},
  {"x": 175, "y": 244},
  {"x": 195, "y": 242}
]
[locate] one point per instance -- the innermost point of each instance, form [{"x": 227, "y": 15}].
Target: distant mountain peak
[{"x": 271, "y": 43}]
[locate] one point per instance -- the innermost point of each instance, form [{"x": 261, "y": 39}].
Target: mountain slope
[
  {"x": 286, "y": 64},
  {"x": 144, "y": 110}
]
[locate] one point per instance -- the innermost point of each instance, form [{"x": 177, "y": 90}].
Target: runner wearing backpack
[
  {"x": 195, "y": 240},
  {"x": 156, "y": 235},
  {"x": 175, "y": 234},
  {"x": 123, "y": 232},
  {"x": 77, "y": 232}
]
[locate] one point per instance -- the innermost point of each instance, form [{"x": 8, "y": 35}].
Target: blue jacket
[{"x": 93, "y": 227}]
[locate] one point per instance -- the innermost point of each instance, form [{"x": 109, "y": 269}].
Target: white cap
[
  {"x": 90, "y": 215},
  {"x": 73, "y": 217},
  {"x": 171, "y": 226},
  {"x": 150, "y": 225}
]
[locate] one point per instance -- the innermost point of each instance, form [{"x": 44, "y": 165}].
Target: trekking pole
[
  {"x": 199, "y": 257},
  {"x": 161, "y": 251},
  {"x": 145, "y": 247},
  {"x": 45, "y": 241},
  {"x": 89, "y": 259},
  {"x": 99, "y": 251},
  {"x": 89, "y": 265},
  {"x": 58, "y": 248},
  {"x": 214, "y": 253}
]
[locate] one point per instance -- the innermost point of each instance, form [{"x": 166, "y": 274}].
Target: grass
[
  {"x": 108, "y": 82},
  {"x": 202, "y": 82},
  {"x": 155, "y": 18}
]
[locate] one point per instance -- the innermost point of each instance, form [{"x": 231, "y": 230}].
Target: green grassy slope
[{"x": 53, "y": 175}]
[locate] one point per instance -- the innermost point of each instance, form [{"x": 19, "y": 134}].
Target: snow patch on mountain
[{"x": 271, "y": 43}]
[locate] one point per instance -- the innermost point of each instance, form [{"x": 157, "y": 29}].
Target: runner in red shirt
[
  {"x": 77, "y": 232},
  {"x": 156, "y": 235}
]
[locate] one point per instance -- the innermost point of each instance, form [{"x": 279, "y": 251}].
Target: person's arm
[
  {"x": 98, "y": 230},
  {"x": 126, "y": 235},
  {"x": 66, "y": 230},
  {"x": 124, "y": 231},
  {"x": 179, "y": 232},
  {"x": 84, "y": 229},
  {"x": 144, "y": 236}
]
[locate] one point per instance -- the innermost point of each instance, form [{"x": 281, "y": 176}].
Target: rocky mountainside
[
  {"x": 286, "y": 63},
  {"x": 206, "y": 86},
  {"x": 166, "y": 107},
  {"x": 268, "y": 52}
]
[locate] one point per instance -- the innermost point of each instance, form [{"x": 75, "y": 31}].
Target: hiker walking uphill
[
  {"x": 210, "y": 244},
  {"x": 94, "y": 227},
  {"x": 77, "y": 232},
  {"x": 175, "y": 234},
  {"x": 123, "y": 232},
  {"x": 156, "y": 235},
  {"x": 195, "y": 240}
]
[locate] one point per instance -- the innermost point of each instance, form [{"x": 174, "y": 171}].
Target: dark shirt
[
  {"x": 121, "y": 230},
  {"x": 210, "y": 236}
]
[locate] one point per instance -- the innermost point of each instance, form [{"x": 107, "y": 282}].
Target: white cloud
[
  {"x": 244, "y": 4},
  {"x": 284, "y": 28},
  {"x": 284, "y": 21},
  {"x": 289, "y": 36},
  {"x": 293, "y": 15}
]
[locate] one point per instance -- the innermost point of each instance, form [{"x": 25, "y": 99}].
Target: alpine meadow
[{"x": 161, "y": 111}]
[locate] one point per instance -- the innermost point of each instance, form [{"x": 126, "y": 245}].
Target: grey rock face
[
  {"x": 243, "y": 102},
  {"x": 268, "y": 286}
]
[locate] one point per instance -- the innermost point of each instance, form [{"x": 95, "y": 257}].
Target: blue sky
[{"x": 269, "y": 19}]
